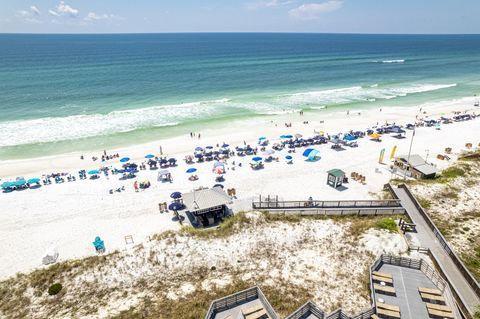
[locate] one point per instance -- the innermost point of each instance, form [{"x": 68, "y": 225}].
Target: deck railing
[
  {"x": 308, "y": 308},
  {"x": 272, "y": 202},
  {"x": 237, "y": 299}
]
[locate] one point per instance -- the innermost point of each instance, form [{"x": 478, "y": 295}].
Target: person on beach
[{"x": 135, "y": 186}]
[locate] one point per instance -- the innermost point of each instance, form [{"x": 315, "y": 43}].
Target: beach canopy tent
[
  {"x": 164, "y": 175},
  {"x": 124, "y": 160},
  {"x": 176, "y": 195},
  {"x": 33, "y": 180},
  {"x": 50, "y": 256},
  {"x": 335, "y": 177},
  {"x": 99, "y": 244},
  {"x": 311, "y": 154},
  {"x": 149, "y": 156},
  {"x": 191, "y": 170},
  {"x": 176, "y": 206},
  {"x": 262, "y": 138}
]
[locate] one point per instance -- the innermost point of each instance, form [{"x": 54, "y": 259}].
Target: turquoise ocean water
[{"x": 63, "y": 93}]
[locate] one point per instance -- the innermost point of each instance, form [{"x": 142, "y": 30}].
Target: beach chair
[
  {"x": 438, "y": 307},
  {"x": 384, "y": 279},
  {"x": 440, "y": 314},
  {"x": 431, "y": 291},
  {"x": 432, "y": 297},
  {"x": 382, "y": 274},
  {"x": 388, "y": 313},
  {"x": 388, "y": 307},
  {"x": 388, "y": 290}
]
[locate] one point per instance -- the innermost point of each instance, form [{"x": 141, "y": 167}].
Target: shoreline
[
  {"x": 183, "y": 144},
  {"x": 69, "y": 215}
]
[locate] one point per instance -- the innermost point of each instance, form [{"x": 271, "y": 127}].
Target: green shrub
[
  {"x": 453, "y": 172},
  {"x": 387, "y": 224},
  {"x": 54, "y": 289}
]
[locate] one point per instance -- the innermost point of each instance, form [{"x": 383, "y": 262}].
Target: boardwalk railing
[
  {"x": 339, "y": 314},
  {"x": 308, "y": 308},
  {"x": 461, "y": 267},
  {"x": 273, "y": 202},
  {"x": 238, "y": 299}
]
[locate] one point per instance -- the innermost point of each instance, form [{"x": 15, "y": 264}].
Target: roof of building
[
  {"x": 417, "y": 162},
  {"x": 336, "y": 172},
  {"x": 205, "y": 198}
]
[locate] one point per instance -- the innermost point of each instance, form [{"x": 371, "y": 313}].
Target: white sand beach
[{"x": 69, "y": 215}]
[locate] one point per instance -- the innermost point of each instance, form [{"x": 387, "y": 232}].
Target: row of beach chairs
[{"x": 358, "y": 177}]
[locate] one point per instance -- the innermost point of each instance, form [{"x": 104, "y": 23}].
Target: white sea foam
[
  {"x": 393, "y": 61},
  {"x": 56, "y": 129}
]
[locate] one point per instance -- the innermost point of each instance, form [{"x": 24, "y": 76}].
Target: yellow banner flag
[{"x": 393, "y": 152}]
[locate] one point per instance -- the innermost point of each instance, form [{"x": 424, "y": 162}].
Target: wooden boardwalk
[{"x": 429, "y": 239}]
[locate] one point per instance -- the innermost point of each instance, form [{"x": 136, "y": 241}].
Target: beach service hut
[
  {"x": 335, "y": 177},
  {"x": 206, "y": 206}
]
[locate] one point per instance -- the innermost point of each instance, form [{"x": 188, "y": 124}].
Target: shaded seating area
[{"x": 206, "y": 207}]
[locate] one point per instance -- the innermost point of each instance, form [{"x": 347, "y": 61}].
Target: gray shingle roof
[
  {"x": 418, "y": 163},
  {"x": 205, "y": 198}
]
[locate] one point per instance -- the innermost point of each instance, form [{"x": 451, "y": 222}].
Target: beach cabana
[
  {"x": 7, "y": 185},
  {"x": 207, "y": 206},
  {"x": 335, "y": 177},
  {"x": 33, "y": 181},
  {"x": 311, "y": 154}
]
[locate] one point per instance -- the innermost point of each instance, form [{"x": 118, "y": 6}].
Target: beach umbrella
[
  {"x": 349, "y": 137},
  {"x": 298, "y": 135},
  {"x": 176, "y": 195},
  {"x": 307, "y": 152},
  {"x": 176, "y": 206},
  {"x": 209, "y": 147},
  {"x": 257, "y": 159},
  {"x": 288, "y": 157},
  {"x": 225, "y": 145},
  {"x": 263, "y": 138},
  {"x": 286, "y": 136},
  {"x": 33, "y": 180},
  {"x": 198, "y": 149},
  {"x": 149, "y": 156},
  {"x": 7, "y": 184},
  {"x": 218, "y": 185},
  {"x": 198, "y": 155},
  {"x": 375, "y": 135},
  {"x": 93, "y": 172},
  {"x": 163, "y": 161},
  {"x": 125, "y": 159},
  {"x": 20, "y": 182},
  {"x": 218, "y": 170},
  {"x": 191, "y": 170}
]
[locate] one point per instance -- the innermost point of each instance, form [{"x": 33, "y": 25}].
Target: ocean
[{"x": 64, "y": 93}]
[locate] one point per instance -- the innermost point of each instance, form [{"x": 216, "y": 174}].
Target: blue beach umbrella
[
  {"x": 349, "y": 137},
  {"x": 125, "y": 159},
  {"x": 93, "y": 172},
  {"x": 7, "y": 184},
  {"x": 286, "y": 136},
  {"x": 191, "y": 170},
  {"x": 262, "y": 138},
  {"x": 176, "y": 206},
  {"x": 225, "y": 145},
  {"x": 218, "y": 185},
  {"x": 149, "y": 156},
  {"x": 209, "y": 147},
  {"x": 176, "y": 195},
  {"x": 288, "y": 157},
  {"x": 33, "y": 180},
  {"x": 257, "y": 159},
  {"x": 198, "y": 149}
]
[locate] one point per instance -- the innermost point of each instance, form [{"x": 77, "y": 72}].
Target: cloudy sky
[{"x": 354, "y": 16}]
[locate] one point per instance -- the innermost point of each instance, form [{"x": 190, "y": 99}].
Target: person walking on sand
[{"x": 135, "y": 186}]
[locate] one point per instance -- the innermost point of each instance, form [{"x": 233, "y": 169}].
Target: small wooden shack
[{"x": 335, "y": 177}]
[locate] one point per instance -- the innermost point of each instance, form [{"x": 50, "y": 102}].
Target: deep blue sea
[{"x": 61, "y": 93}]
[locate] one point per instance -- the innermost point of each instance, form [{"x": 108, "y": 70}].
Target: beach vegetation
[
  {"x": 54, "y": 289},
  {"x": 388, "y": 224},
  {"x": 227, "y": 227}
]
